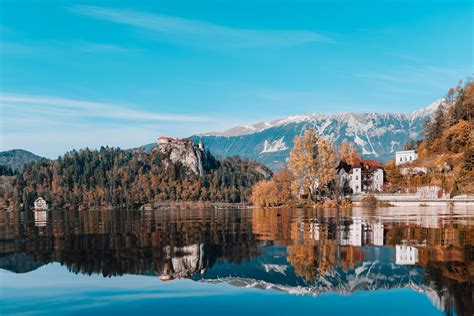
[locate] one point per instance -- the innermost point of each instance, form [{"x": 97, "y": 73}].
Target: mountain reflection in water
[{"x": 296, "y": 251}]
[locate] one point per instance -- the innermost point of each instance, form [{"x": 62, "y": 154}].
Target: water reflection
[{"x": 298, "y": 251}]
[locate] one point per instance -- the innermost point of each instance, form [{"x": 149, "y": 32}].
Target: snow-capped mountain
[{"x": 375, "y": 135}]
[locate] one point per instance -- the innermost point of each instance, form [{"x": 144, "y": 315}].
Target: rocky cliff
[{"x": 186, "y": 153}]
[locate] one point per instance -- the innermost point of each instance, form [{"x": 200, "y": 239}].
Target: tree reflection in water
[{"x": 302, "y": 251}]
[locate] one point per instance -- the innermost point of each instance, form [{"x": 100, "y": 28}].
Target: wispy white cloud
[
  {"x": 81, "y": 108},
  {"x": 50, "y": 126},
  {"x": 201, "y": 33},
  {"x": 59, "y": 48}
]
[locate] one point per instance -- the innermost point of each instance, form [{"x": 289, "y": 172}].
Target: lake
[{"x": 390, "y": 261}]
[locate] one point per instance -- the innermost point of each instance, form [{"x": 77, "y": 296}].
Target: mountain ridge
[
  {"x": 375, "y": 135},
  {"x": 247, "y": 129}
]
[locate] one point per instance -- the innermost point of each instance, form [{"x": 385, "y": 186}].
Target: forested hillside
[
  {"x": 129, "y": 178},
  {"x": 447, "y": 152},
  {"x": 15, "y": 159}
]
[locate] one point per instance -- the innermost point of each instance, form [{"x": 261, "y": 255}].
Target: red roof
[
  {"x": 166, "y": 138},
  {"x": 371, "y": 163},
  {"x": 364, "y": 164},
  {"x": 356, "y": 164}
]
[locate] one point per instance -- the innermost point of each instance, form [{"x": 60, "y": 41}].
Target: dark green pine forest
[{"x": 130, "y": 178}]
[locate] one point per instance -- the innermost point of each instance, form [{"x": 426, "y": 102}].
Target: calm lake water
[{"x": 389, "y": 261}]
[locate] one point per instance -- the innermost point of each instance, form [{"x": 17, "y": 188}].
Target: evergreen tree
[{"x": 126, "y": 178}]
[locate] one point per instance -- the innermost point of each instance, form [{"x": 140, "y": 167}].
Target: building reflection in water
[
  {"x": 302, "y": 251},
  {"x": 406, "y": 255},
  {"x": 41, "y": 217}
]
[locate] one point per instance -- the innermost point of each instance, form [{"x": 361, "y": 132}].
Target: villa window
[
  {"x": 410, "y": 158},
  {"x": 357, "y": 178}
]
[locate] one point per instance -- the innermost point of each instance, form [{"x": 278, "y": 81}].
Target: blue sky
[{"x": 121, "y": 73}]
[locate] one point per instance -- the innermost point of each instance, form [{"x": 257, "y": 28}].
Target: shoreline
[
  {"x": 423, "y": 202},
  {"x": 413, "y": 200},
  {"x": 224, "y": 206},
  {"x": 356, "y": 201}
]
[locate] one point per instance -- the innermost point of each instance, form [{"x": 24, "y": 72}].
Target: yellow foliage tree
[
  {"x": 312, "y": 163},
  {"x": 327, "y": 163},
  {"x": 349, "y": 153},
  {"x": 303, "y": 163}
]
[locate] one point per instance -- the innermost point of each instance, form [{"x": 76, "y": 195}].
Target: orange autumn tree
[
  {"x": 447, "y": 150},
  {"x": 310, "y": 173},
  {"x": 273, "y": 192}
]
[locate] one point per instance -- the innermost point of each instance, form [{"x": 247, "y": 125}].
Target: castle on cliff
[{"x": 169, "y": 140}]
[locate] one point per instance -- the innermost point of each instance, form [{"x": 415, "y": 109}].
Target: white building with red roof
[{"x": 362, "y": 177}]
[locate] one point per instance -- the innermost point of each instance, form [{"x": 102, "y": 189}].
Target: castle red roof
[
  {"x": 175, "y": 140},
  {"x": 166, "y": 138}
]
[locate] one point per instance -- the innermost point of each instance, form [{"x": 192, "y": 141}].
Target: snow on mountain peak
[
  {"x": 428, "y": 110},
  {"x": 362, "y": 121},
  {"x": 376, "y": 135},
  {"x": 274, "y": 146}
]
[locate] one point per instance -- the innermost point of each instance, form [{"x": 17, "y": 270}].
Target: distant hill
[
  {"x": 16, "y": 158},
  {"x": 19, "y": 263}
]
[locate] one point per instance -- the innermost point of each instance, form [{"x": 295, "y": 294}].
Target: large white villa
[
  {"x": 405, "y": 156},
  {"x": 363, "y": 176}
]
